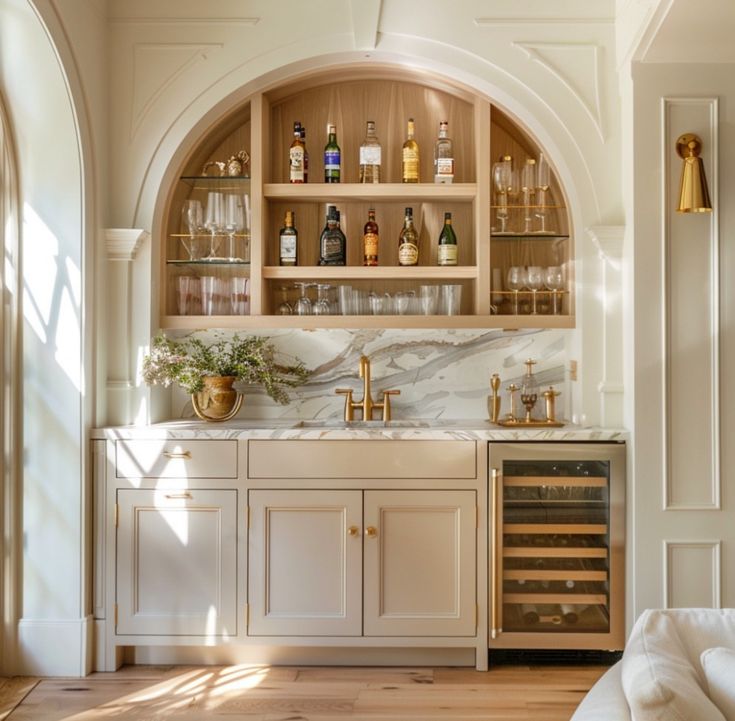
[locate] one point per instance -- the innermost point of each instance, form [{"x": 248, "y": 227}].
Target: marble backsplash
[{"x": 440, "y": 373}]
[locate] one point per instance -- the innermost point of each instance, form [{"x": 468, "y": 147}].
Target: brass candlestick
[
  {"x": 512, "y": 388},
  {"x": 495, "y": 409}
]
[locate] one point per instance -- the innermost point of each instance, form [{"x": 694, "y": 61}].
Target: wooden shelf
[
  {"x": 388, "y": 192},
  {"x": 359, "y": 272}
]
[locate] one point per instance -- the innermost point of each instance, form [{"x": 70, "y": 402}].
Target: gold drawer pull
[
  {"x": 353, "y": 530},
  {"x": 172, "y": 496},
  {"x": 177, "y": 454},
  {"x": 371, "y": 532}
]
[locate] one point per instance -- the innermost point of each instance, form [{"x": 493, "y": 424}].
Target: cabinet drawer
[
  {"x": 176, "y": 459},
  {"x": 361, "y": 459}
]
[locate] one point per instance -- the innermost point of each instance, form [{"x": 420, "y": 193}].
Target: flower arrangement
[{"x": 250, "y": 359}]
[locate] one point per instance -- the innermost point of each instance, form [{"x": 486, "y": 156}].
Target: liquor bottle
[
  {"x": 296, "y": 156},
  {"x": 332, "y": 244},
  {"x": 306, "y": 154},
  {"x": 332, "y": 156},
  {"x": 408, "y": 241},
  {"x": 342, "y": 260},
  {"x": 288, "y": 241},
  {"x": 370, "y": 156},
  {"x": 443, "y": 156},
  {"x": 447, "y": 251},
  {"x": 370, "y": 240},
  {"x": 410, "y": 157}
]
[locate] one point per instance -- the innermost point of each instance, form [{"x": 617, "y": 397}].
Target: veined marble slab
[{"x": 440, "y": 373}]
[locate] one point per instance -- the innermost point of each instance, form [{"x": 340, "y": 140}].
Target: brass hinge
[
  {"x": 117, "y": 514},
  {"x": 115, "y": 614}
]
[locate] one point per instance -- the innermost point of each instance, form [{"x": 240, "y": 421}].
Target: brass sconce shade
[{"x": 693, "y": 193}]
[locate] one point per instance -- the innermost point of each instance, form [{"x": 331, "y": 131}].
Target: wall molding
[
  {"x": 670, "y": 548},
  {"x": 197, "y": 21},
  {"x": 669, "y": 134},
  {"x": 123, "y": 243},
  {"x": 55, "y": 647},
  {"x": 504, "y": 21}
]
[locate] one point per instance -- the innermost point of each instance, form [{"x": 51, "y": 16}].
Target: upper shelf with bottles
[{"x": 387, "y": 97}]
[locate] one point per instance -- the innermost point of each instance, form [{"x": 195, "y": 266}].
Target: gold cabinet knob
[
  {"x": 371, "y": 531},
  {"x": 353, "y": 530}
]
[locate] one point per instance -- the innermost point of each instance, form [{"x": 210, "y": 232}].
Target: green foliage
[{"x": 251, "y": 359}]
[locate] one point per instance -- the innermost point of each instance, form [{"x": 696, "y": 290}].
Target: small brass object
[
  {"x": 371, "y": 532},
  {"x": 236, "y": 163},
  {"x": 693, "y": 191},
  {"x": 512, "y": 388},
  {"x": 495, "y": 387},
  {"x": 550, "y": 398},
  {"x": 217, "y": 164},
  {"x": 353, "y": 530},
  {"x": 366, "y": 405}
]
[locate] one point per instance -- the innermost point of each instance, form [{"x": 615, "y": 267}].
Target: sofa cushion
[
  {"x": 719, "y": 670},
  {"x": 659, "y": 680}
]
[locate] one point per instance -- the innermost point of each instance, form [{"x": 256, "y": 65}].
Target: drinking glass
[
  {"x": 554, "y": 280},
  {"x": 514, "y": 190},
  {"x": 239, "y": 298},
  {"x": 534, "y": 281},
  {"x": 185, "y": 292},
  {"x": 428, "y": 298},
  {"x": 451, "y": 299},
  {"x": 191, "y": 221},
  {"x": 377, "y": 303},
  {"x": 303, "y": 303},
  {"x": 214, "y": 220},
  {"x": 501, "y": 180},
  {"x": 345, "y": 299},
  {"x": 322, "y": 305},
  {"x": 284, "y": 307},
  {"x": 209, "y": 294},
  {"x": 543, "y": 180},
  {"x": 233, "y": 222},
  {"x": 516, "y": 280},
  {"x": 528, "y": 189},
  {"x": 400, "y": 303}
]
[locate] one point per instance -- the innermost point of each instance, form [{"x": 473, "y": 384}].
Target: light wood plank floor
[{"x": 262, "y": 693}]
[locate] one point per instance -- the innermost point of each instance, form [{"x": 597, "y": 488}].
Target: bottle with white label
[
  {"x": 296, "y": 156},
  {"x": 447, "y": 250},
  {"x": 443, "y": 156},
  {"x": 370, "y": 153},
  {"x": 288, "y": 241},
  {"x": 408, "y": 241}
]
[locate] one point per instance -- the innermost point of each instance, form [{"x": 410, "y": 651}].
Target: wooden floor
[{"x": 262, "y": 693}]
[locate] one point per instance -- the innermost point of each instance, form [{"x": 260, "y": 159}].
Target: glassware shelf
[
  {"x": 219, "y": 182},
  {"x": 528, "y": 236},
  {"x": 211, "y": 261}
]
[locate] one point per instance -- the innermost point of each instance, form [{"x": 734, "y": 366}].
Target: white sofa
[{"x": 678, "y": 665}]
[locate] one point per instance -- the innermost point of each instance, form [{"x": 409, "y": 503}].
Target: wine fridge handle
[{"x": 496, "y": 570}]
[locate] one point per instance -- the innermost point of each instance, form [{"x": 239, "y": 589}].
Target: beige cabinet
[
  {"x": 317, "y": 557},
  {"x": 176, "y": 562}
]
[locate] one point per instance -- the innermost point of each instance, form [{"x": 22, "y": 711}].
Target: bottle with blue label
[{"x": 332, "y": 157}]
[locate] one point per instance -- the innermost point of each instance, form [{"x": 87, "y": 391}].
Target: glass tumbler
[
  {"x": 451, "y": 299},
  {"x": 209, "y": 294},
  {"x": 428, "y": 299},
  {"x": 239, "y": 297}
]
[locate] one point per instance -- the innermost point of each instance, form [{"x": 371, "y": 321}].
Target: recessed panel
[{"x": 692, "y": 574}]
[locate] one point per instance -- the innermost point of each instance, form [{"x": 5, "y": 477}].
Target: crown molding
[{"x": 123, "y": 243}]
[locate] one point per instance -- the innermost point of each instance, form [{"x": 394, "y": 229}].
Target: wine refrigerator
[{"x": 557, "y": 546}]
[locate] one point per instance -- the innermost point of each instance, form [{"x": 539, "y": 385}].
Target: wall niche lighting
[{"x": 693, "y": 192}]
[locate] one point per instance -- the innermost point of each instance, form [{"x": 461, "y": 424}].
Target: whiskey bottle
[
  {"x": 288, "y": 241},
  {"x": 332, "y": 244},
  {"x": 408, "y": 242},
  {"x": 370, "y": 156},
  {"x": 443, "y": 156},
  {"x": 370, "y": 240},
  {"x": 296, "y": 156},
  {"x": 306, "y": 154},
  {"x": 447, "y": 251},
  {"x": 332, "y": 156},
  {"x": 410, "y": 157}
]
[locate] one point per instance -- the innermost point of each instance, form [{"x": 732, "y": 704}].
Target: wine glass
[
  {"x": 534, "y": 282},
  {"x": 501, "y": 180},
  {"x": 322, "y": 305},
  {"x": 191, "y": 221},
  {"x": 214, "y": 220},
  {"x": 554, "y": 280},
  {"x": 233, "y": 222},
  {"x": 284, "y": 307},
  {"x": 528, "y": 190},
  {"x": 543, "y": 180},
  {"x": 516, "y": 280},
  {"x": 303, "y": 305},
  {"x": 514, "y": 185}
]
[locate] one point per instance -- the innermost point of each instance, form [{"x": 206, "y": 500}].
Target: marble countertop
[{"x": 437, "y": 429}]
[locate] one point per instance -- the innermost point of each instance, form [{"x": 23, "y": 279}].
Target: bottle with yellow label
[
  {"x": 370, "y": 240},
  {"x": 408, "y": 241},
  {"x": 447, "y": 250},
  {"x": 410, "y": 157}
]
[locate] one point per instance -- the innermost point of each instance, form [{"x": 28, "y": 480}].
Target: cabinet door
[
  {"x": 420, "y": 563},
  {"x": 176, "y": 562},
  {"x": 305, "y": 563}
]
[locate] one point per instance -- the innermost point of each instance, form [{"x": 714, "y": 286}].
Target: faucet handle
[
  {"x": 386, "y": 403},
  {"x": 347, "y": 393}
]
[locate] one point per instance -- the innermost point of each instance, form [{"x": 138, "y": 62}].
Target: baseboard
[{"x": 49, "y": 647}]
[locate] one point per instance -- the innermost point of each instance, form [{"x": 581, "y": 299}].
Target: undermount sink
[{"x": 333, "y": 423}]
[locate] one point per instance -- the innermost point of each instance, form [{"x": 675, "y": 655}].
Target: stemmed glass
[
  {"x": 501, "y": 181},
  {"x": 191, "y": 220},
  {"x": 543, "y": 180},
  {"x": 554, "y": 279},
  {"x": 303, "y": 306},
  {"x": 528, "y": 188},
  {"x": 323, "y": 305},
  {"x": 284, "y": 307},
  {"x": 233, "y": 222},
  {"x": 514, "y": 185},
  {"x": 516, "y": 280},
  {"x": 214, "y": 220},
  {"x": 534, "y": 281}
]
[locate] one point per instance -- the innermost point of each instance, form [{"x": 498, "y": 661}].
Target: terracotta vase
[{"x": 219, "y": 401}]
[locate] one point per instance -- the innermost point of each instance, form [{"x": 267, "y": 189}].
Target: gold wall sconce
[{"x": 693, "y": 192}]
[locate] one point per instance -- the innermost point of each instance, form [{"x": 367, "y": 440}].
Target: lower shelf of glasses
[{"x": 378, "y": 272}]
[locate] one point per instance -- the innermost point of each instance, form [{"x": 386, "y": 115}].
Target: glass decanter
[{"x": 529, "y": 390}]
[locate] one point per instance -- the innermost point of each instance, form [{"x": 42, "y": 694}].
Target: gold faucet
[{"x": 366, "y": 405}]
